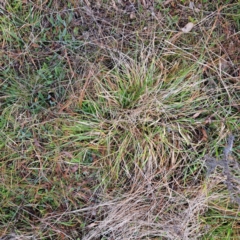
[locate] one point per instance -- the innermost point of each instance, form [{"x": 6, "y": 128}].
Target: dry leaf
[
  {"x": 35, "y": 45},
  {"x": 208, "y": 120},
  {"x": 132, "y": 15},
  {"x": 74, "y": 168},
  {"x": 191, "y": 5},
  {"x": 197, "y": 114},
  {"x": 167, "y": 2},
  {"x": 204, "y": 135},
  {"x": 224, "y": 65},
  {"x": 92, "y": 225},
  {"x": 188, "y": 27}
]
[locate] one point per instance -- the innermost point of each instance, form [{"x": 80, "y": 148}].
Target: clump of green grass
[{"x": 108, "y": 115}]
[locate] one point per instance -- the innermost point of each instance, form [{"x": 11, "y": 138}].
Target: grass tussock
[{"x": 115, "y": 123}]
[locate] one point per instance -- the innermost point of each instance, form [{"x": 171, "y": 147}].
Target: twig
[{"x": 212, "y": 163}]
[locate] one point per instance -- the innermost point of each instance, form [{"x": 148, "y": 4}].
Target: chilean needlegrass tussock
[{"x": 151, "y": 120}]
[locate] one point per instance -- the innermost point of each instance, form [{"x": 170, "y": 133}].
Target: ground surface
[{"x": 118, "y": 120}]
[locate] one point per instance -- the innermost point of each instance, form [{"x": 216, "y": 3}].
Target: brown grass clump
[{"x": 151, "y": 211}]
